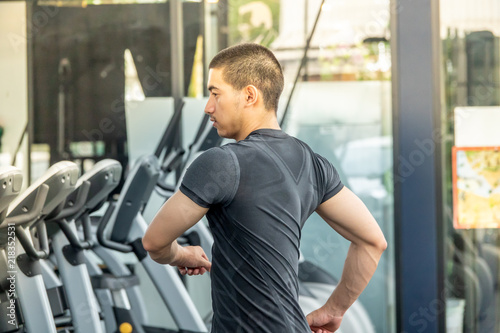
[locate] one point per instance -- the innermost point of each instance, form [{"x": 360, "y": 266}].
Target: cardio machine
[
  {"x": 25, "y": 215},
  {"x": 10, "y": 187},
  {"x": 70, "y": 252},
  {"x": 122, "y": 227}
]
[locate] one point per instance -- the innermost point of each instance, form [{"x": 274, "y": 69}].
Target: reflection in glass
[{"x": 471, "y": 66}]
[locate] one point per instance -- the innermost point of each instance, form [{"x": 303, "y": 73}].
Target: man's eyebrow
[{"x": 210, "y": 88}]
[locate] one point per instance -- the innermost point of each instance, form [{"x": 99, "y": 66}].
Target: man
[{"x": 257, "y": 193}]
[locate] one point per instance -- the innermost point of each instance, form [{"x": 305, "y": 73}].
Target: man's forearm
[
  {"x": 165, "y": 255},
  {"x": 359, "y": 267}
]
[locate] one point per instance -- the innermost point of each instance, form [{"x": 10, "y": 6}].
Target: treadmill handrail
[
  {"x": 12, "y": 179},
  {"x": 22, "y": 233},
  {"x": 169, "y": 134},
  {"x": 108, "y": 242},
  {"x": 35, "y": 212},
  {"x": 61, "y": 221},
  {"x": 57, "y": 173},
  {"x": 172, "y": 160},
  {"x": 170, "y": 163},
  {"x": 81, "y": 199}
]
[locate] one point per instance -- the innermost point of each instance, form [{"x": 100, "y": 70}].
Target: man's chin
[{"x": 224, "y": 135}]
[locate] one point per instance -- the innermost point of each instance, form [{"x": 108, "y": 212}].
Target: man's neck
[{"x": 270, "y": 122}]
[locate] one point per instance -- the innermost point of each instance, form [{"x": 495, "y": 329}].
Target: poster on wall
[
  {"x": 253, "y": 21},
  {"x": 476, "y": 187}
]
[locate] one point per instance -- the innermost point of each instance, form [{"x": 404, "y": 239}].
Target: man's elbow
[
  {"x": 380, "y": 244},
  {"x": 149, "y": 244},
  {"x": 383, "y": 245},
  {"x": 152, "y": 249},
  {"x": 376, "y": 245},
  {"x": 157, "y": 251}
]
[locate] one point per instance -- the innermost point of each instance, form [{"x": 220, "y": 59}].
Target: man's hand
[
  {"x": 176, "y": 216},
  {"x": 348, "y": 215},
  {"x": 323, "y": 321},
  {"x": 191, "y": 260}
]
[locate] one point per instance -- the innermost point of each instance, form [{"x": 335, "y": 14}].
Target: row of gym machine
[{"x": 52, "y": 232}]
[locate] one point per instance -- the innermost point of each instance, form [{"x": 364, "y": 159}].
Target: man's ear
[{"x": 251, "y": 94}]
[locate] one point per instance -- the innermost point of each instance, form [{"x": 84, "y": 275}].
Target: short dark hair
[{"x": 252, "y": 64}]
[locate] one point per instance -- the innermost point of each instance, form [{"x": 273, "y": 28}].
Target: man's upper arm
[
  {"x": 348, "y": 215},
  {"x": 176, "y": 216},
  {"x": 212, "y": 178}
]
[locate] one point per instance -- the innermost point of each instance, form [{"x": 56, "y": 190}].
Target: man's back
[
  {"x": 260, "y": 192},
  {"x": 256, "y": 194}
]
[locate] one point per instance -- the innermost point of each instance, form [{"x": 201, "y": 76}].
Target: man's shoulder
[
  {"x": 212, "y": 178},
  {"x": 214, "y": 153},
  {"x": 218, "y": 158}
]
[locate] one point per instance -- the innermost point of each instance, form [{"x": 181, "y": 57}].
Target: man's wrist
[
  {"x": 334, "y": 309},
  {"x": 176, "y": 252}
]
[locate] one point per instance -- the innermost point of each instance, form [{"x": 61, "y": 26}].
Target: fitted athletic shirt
[{"x": 259, "y": 192}]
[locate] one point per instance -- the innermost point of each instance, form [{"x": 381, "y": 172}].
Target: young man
[{"x": 257, "y": 193}]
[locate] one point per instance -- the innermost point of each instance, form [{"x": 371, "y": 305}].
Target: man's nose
[{"x": 210, "y": 107}]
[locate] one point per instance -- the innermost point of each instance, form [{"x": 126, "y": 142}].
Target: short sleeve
[
  {"x": 212, "y": 178},
  {"x": 330, "y": 179}
]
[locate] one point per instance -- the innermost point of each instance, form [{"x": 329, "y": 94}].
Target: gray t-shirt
[{"x": 260, "y": 191}]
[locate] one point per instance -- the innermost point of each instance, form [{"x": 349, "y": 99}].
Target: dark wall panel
[{"x": 79, "y": 63}]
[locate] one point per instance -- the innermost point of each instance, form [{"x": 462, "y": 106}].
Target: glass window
[
  {"x": 102, "y": 88},
  {"x": 90, "y": 58},
  {"x": 341, "y": 107},
  {"x": 471, "y": 66},
  {"x": 13, "y": 85}
]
